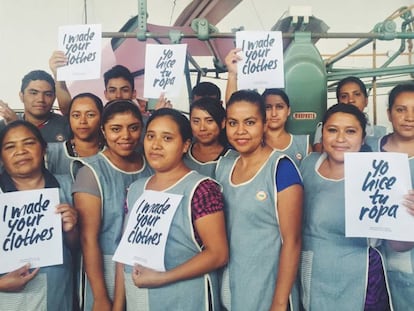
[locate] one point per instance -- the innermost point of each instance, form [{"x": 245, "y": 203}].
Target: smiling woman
[
  {"x": 262, "y": 189},
  {"x": 99, "y": 194},
  {"x": 337, "y": 270}
]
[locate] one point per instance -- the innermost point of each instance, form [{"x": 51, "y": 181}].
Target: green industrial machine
[
  {"x": 309, "y": 79},
  {"x": 305, "y": 84}
]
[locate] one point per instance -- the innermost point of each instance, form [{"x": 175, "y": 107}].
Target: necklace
[{"x": 74, "y": 152}]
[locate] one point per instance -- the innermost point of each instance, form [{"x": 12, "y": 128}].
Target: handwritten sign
[
  {"x": 82, "y": 45},
  {"x": 146, "y": 232},
  {"x": 164, "y": 69},
  {"x": 261, "y": 65},
  {"x": 375, "y": 183},
  {"x": 30, "y": 230}
]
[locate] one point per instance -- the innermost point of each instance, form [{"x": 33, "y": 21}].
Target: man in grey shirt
[{"x": 37, "y": 93}]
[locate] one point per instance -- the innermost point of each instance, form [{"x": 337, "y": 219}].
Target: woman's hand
[
  {"x": 409, "y": 202},
  {"x": 69, "y": 216},
  {"x": 16, "y": 280},
  {"x": 147, "y": 278}
]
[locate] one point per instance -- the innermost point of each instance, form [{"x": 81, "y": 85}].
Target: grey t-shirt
[
  {"x": 85, "y": 181},
  {"x": 55, "y": 129}
]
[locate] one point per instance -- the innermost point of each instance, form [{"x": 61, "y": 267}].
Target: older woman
[{"x": 48, "y": 288}]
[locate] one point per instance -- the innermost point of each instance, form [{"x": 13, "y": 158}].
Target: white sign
[
  {"x": 82, "y": 45},
  {"x": 375, "y": 183},
  {"x": 146, "y": 232},
  {"x": 261, "y": 65},
  {"x": 30, "y": 230},
  {"x": 164, "y": 69}
]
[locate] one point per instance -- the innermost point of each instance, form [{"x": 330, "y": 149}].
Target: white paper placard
[
  {"x": 261, "y": 65},
  {"x": 164, "y": 69},
  {"x": 30, "y": 230},
  {"x": 82, "y": 44},
  {"x": 375, "y": 183},
  {"x": 146, "y": 232}
]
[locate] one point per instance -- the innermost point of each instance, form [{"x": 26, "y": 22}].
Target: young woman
[
  {"x": 48, "y": 288},
  {"x": 86, "y": 139},
  {"x": 99, "y": 193},
  {"x": 400, "y": 255},
  {"x": 207, "y": 118},
  {"x": 351, "y": 90},
  {"x": 263, "y": 198},
  {"x": 196, "y": 245},
  {"x": 277, "y": 112},
  {"x": 276, "y": 136},
  {"x": 337, "y": 273}
]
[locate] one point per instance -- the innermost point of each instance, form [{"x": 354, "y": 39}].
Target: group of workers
[{"x": 261, "y": 222}]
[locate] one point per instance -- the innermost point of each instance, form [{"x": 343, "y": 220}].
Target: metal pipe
[
  {"x": 374, "y": 81},
  {"x": 402, "y": 45},
  {"x": 196, "y": 65},
  {"x": 345, "y": 52},
  {"x": 230, "y": 35},
  {"x": 364, "y": 73}
]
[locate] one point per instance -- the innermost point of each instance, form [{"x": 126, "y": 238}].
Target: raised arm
[
  {"x": 231, "y": 63},
  {"x": 58, "y": 59}
]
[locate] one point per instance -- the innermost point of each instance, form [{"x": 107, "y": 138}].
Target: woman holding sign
[
  {"x": 263, "y": 198},
  {"x": 86, "y": 139},
  {"x": 337, "y": 272},
  {"x": 48, "y": 288},
  {"x": 99, "y": 193},
  {"x": 400, "y": 255},
  {"x": 196, "y": 243}
]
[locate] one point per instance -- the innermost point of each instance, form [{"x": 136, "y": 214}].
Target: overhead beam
[{"x": 213, "y": 10}]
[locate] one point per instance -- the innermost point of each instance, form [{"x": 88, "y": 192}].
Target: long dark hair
[
  {"x": 120, "y": 106},
  {"x": 215, "y": 109},
  {"x": 180, "y": 119},
  {"x": 251, "y": 97},
  {"x": 98, "y": 103}
]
